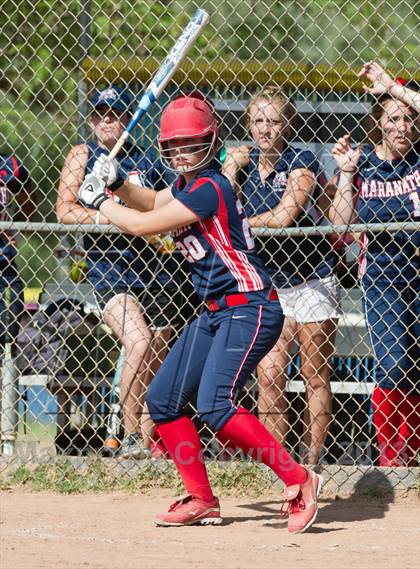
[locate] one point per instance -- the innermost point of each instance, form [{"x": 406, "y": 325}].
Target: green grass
[
  {"x": 39, "y": 431},
  {"x": 96, "y": 475},
  {"x": 374, "y": 492}
]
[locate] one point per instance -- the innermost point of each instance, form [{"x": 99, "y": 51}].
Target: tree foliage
[{"x": 43, "y": 44}]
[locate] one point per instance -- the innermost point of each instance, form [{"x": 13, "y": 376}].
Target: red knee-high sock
[
  {"x": 249, "y": 434},
  {"x": 183, "y": 443},
  {"x": 157, "y": 446},
  {"x": 409, "y": 434},
  {"x": 386, "y": 404}
]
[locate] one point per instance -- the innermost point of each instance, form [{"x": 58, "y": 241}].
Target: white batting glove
[
  {"x": 92, "y": 191},
  {"x": 106, "y": 169}
]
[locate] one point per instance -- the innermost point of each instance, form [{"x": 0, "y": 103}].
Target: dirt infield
[{"x": 115, "y": 531}]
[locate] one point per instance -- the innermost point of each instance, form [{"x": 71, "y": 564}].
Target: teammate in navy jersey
[
  {"x": 215, "y": 355},
  {"x": 16, "y": 203},
  {"x": 283, "y": 186},
  {"x": 379, "y": 183},
  {"x": 133, "y": 286}
]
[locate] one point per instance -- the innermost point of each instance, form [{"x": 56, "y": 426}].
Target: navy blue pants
[
  {"x": 392, "y": 314},
  {"x": 213, "y": 358}
]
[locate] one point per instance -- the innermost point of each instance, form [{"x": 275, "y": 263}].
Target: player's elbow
[
  {"x": 135, "y": 228},
  {"x": 62, "y": 215},
  {"x": 139, "y": 231}
]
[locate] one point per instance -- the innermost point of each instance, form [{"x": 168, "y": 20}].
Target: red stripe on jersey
[
  {"x": 356, "y": 182},
  {"x": 247, "y": 282},
  {"x": 199, "y": 183},
  {"x": 16, "y": 171},
  {"x": 216, "y": 232},
  {"x": 363, "y": 242}
]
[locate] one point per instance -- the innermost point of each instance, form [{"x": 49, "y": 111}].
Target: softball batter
[{"x": 215, "y": 355}]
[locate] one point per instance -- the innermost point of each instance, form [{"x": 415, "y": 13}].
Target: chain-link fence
[{"x": 88, "y": 314}]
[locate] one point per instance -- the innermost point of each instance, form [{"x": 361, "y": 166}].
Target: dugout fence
[{"x": 57, "y": 54}]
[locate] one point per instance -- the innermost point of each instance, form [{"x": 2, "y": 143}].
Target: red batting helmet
[{"x": 189, "y": 116}]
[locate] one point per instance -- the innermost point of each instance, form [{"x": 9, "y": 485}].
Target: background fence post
[{"x": 10, "y": 385}]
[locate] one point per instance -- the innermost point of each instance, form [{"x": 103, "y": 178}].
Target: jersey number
[
  {"x": 415, "y": 198},
  {"x": 191, "y": 248},
  {"x": 3, "y": 194}
]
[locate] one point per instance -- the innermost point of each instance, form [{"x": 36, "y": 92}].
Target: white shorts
[{"x": 313, "y": 301}]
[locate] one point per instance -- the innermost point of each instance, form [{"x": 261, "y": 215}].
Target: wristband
[
  {"x": 116, "y": 185},
  {"x": 99, "y": 201}
]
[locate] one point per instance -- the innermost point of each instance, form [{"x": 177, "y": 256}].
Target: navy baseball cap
[{"x": 114, "y": 97}]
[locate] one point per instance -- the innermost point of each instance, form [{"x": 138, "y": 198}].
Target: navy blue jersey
[
  {"x": 388, "y": 191},
  {"x": 290, "y": 260},
  {"x": 219, "y": 248},
  {"x": 125, "y": 260},
  {"x": 14, "y": 178}
]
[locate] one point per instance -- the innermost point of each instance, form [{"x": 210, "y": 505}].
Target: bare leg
[
  {"x": 156, "y": 355},
  {"x": 272, "y": 378},
  {"x": 148, "y": 427},
  {"x": 124, "y": 316},
  {"x": 316, "y": 349}
]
